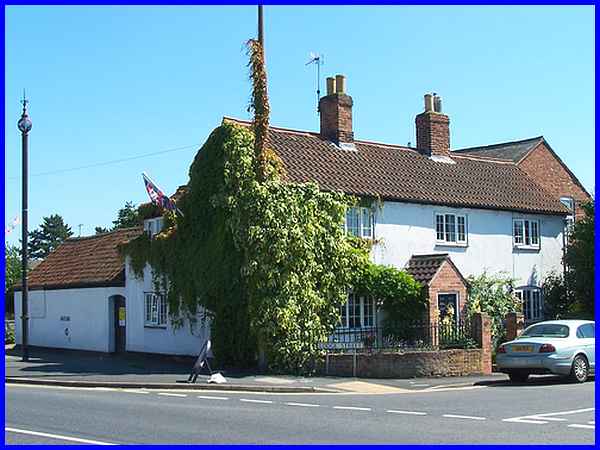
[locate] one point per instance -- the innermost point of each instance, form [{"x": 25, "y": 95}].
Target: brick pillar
[
  {"x": 515, "y": 325},
  {"x": 481, "y": 329}
]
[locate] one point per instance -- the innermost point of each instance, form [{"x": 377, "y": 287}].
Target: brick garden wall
[{"x": 443, "y": 363}]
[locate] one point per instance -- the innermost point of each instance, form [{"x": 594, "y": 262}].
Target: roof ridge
[
  {"x": 100, "y": 235},
  {"x": 498, "y": 144},
  {"x": 277, "y": 128},
  {"x": 429, "y": 255}
]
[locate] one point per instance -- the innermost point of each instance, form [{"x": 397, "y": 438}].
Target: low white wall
[
  {"x": 406, "y": 229},
  {"x": 167, "y": 340},
  {"x": 78, "y": 319}
]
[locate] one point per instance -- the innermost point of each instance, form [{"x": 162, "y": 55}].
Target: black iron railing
[{"x": 401, "y": 336}]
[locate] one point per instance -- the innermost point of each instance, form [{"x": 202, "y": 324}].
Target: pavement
[
  {"x": 132, "y": 370},
  {"x": 542, "y": 412}
]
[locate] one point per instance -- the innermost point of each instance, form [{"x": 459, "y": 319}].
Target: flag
[{"x": 157, "y": 197}]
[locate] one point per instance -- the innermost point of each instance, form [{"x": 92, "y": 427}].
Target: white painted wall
[
  {"x": 140, "y": 338},
  {"x": 89, "y": 324},
  {"x": 406, "y": 229}
]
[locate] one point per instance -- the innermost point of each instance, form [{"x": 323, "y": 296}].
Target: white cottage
[{"x": 439, "y": 214}]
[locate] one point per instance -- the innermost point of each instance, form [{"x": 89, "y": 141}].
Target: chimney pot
[
  {"x": 428, "y": 103},
  {"x": 330, "y": 85},
  {"x": 437, "y": 103},
  {"x": 340, "y": 84}
]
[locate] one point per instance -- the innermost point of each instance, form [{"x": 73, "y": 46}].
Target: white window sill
[
  {"x": 526, "y": 247},
  {"x": 451, "y": 244}
]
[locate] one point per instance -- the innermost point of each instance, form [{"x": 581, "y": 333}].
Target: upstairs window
[
  {"x": 155, "y": 307},
  {"x": 570, "y": 219},
  {"x": 153, "y": 226},
  {"x": 359, "y": 222},
  {"x": 451, "y": 228},
  {"x": 526, "y": 233}
]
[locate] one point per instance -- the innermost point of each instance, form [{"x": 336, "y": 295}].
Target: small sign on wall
[
  {"x": 121, "y": 316},
  {"x": 65, "y": 318}
]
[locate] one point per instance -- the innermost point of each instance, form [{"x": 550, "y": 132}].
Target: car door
[{"x": 586, "y": 334}]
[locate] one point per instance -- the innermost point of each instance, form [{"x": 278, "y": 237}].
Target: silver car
[{"x": 561, "y": 347}]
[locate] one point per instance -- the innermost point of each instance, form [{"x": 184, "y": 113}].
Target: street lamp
[{"x": 24, "y": 126}]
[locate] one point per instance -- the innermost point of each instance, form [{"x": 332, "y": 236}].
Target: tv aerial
[{"x": 318, "y": 60}]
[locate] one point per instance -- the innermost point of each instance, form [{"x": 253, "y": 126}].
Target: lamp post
[{"x": 24, "y": 126}]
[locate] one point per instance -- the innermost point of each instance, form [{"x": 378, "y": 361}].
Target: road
[{"x": 541, "y": 413}]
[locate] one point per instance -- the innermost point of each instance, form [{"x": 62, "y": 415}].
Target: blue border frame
[{"x": 328, "y": 2}]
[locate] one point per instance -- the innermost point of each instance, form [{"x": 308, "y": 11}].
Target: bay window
[{"x": 358, "y": 312}]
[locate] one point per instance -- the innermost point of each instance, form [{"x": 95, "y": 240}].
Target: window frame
[
  {"x": 526, "y": 295},
  {"x": 359, "y": 314},
  {"x": 569, "y": 202},
  {"x": 361, "y": 214},
  {"x": 153, "y": 226},
  {"x": 155, "y": 310},
  {"x": 526, "y": 235},
  {"x": 444, "y": 228}
]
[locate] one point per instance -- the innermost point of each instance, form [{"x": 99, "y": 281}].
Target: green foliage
[
  {"x": 50, "y": 234},
  {"x": 579, "y": 260},
  {"x": 556, "y": 303},
  {"x": 100, "y": 230},
  {"x": 401, "y": 297},
  {"x": 492, "y": 295},
  {"x": 572, "y": 295},
  {"x": 13, "y": 273},
  {"x": 268, "y": 259},
  {"x": 9, "y": 333},
  {"x": 127, "y": 217}
]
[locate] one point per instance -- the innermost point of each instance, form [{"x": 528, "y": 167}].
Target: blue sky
[{"x": 108, "y": 83}]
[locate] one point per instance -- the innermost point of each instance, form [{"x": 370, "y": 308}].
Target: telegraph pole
[
  {"x": 24, "y": 124},
  {"x": 261, "y": 37}
]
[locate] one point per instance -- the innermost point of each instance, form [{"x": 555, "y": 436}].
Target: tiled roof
[
  {"x": 424, "y": 267},
  {"x": 509, "y": 151},
  {"x": 398, "y": 173},
  {"x": 92, "y": 261}
]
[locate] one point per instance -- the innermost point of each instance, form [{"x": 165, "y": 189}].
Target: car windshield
[{"x": 547, "y": 330}]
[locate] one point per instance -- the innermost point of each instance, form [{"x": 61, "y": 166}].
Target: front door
[
  {"x": 448, "y": 306},
  {"x": 120, "y": 321}
]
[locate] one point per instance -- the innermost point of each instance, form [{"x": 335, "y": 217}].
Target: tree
[
  {"x": 579, "y": 261},
  {"x": 100, "y": 230},
  {"x": 493, "y": 295},
  {"x": 572, "y": 296},
  {"x": 50, "y": 234},
  {"x": 13, "y": 271},
  {"x": 127, "y": 217}
]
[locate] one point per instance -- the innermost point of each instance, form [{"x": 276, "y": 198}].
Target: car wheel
[
  {"x": 518, "y": 377},
  {"x": 580, "y": 369}
]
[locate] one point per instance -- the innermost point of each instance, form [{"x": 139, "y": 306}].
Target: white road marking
[
  {"x": 104, "y": 389},
  {"x": 412, "y": 413},
  {"x": 307, "y": 405},
  {"x": 171, "y": 394},
  {"x": 421, "y": 385},
  {"x": 543, "y": 418},
  {"x": 254, "y": 401},
  {"x": 352, "y": 408},
  {"x": 578, "y": 425},
  {"x": 458, "y": 416},
  {"x": 519, "y": 420},
  {"x": 135, "y": 391},
  {"x": 56, "y": 436},
  {"x": 592, "y": 422},
  {"x": 207, "y": 397}
]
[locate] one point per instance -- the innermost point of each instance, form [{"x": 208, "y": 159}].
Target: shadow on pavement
[{"x": 543, "y": 380}]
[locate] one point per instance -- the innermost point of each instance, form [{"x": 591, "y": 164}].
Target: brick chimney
[
  {"x": 336, "y": 112},
  {"x": 433, "y": 128}
]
